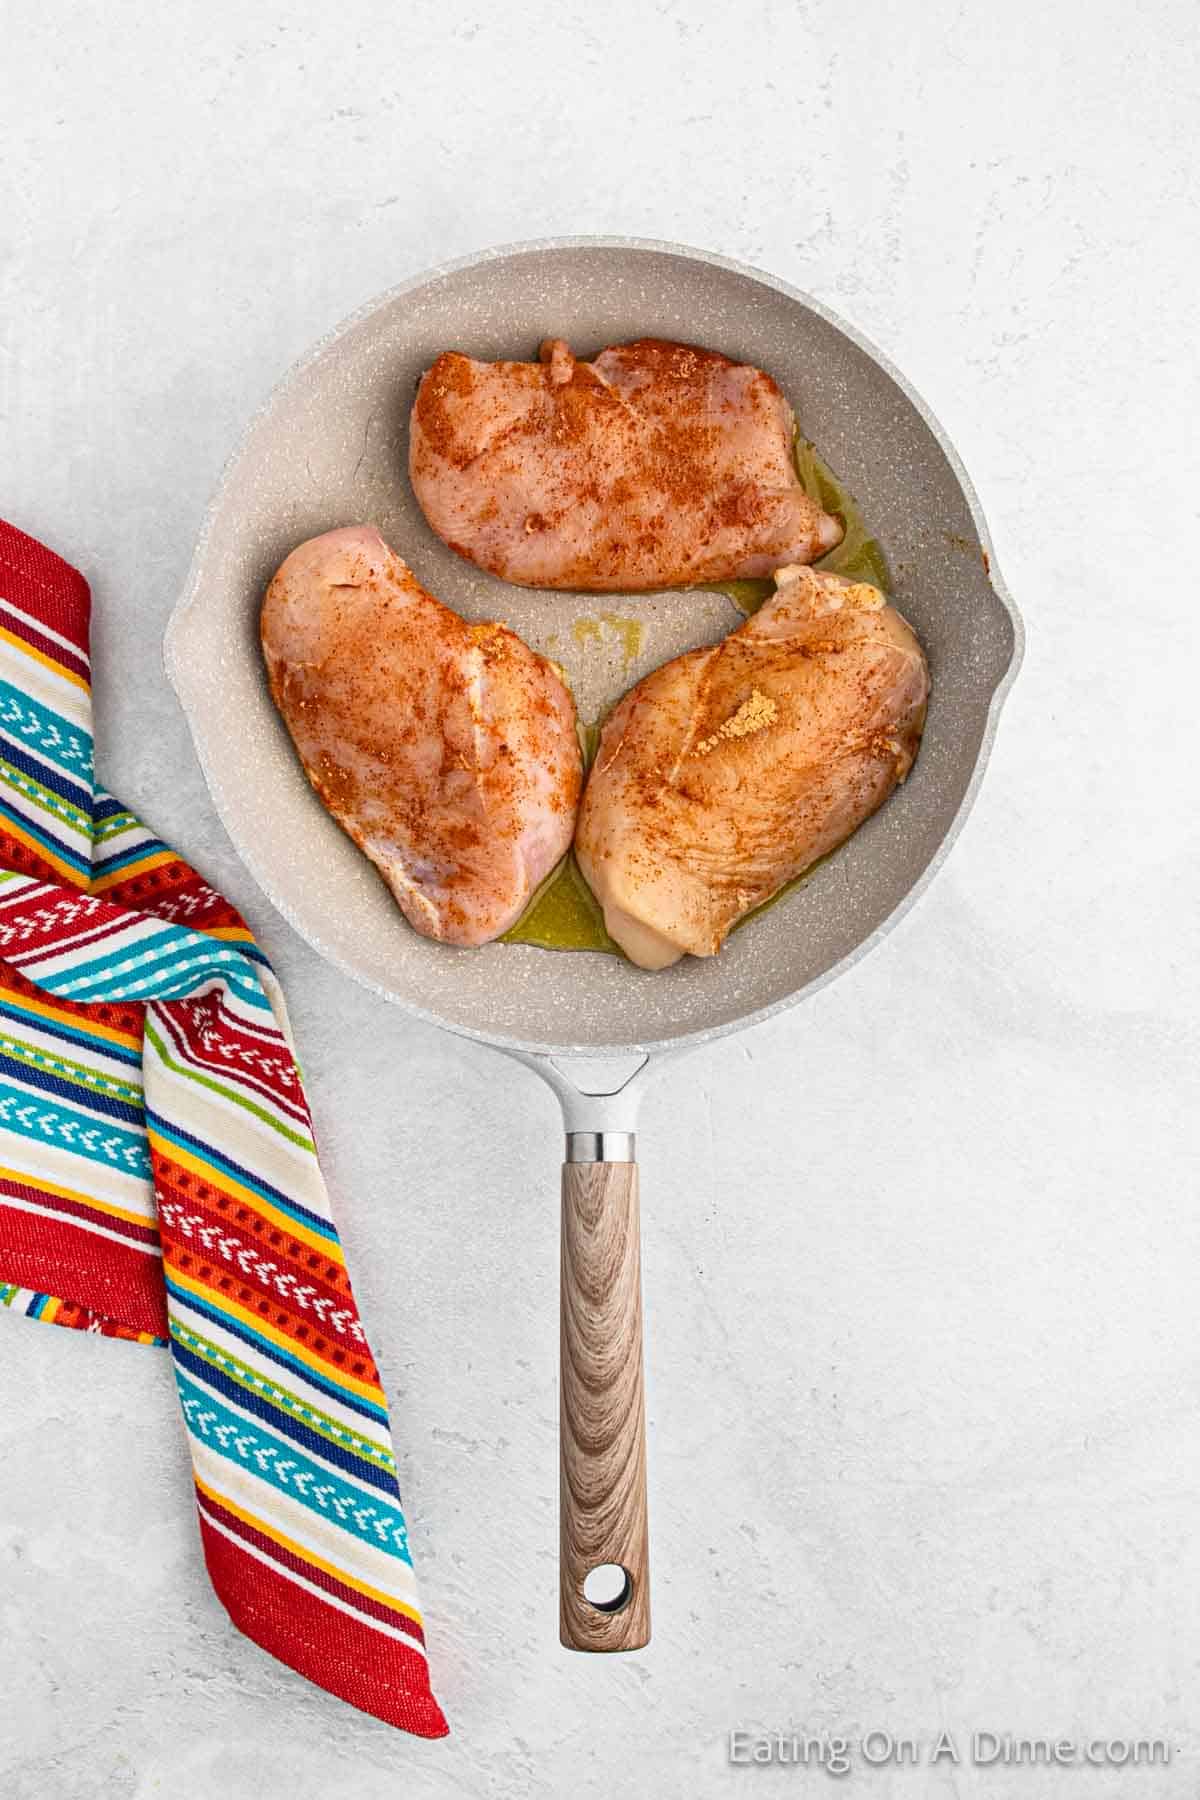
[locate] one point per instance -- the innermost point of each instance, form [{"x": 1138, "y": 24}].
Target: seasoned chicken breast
[
  {"x": 448, "y": 751},
  {"x": 655, "y": 465},
  {"x": 729, "y": 771}
]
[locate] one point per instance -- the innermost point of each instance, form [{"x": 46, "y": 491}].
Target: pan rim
[{"x": 175, "y": 661}]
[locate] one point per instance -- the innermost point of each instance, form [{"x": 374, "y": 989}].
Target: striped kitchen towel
[{"x": 159, "y": 1181}]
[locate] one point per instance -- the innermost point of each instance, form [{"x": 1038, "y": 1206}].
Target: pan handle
[{"x": 604, "y": 1560}]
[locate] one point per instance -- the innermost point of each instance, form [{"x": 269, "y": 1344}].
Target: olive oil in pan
[
  {"x": 564, "y": 914},
  {"x": 859, "y": 556}
]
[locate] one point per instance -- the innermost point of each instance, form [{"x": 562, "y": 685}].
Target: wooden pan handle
[{"x": 602, "y": 1411}]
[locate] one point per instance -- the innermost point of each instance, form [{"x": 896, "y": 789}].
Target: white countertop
[{"x": 920, "y": 1258}]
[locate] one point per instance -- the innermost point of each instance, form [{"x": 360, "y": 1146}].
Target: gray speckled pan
[{"x": 330, "y": 448}]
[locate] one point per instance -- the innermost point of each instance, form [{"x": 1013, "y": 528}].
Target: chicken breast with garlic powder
[
  {"x": 729, "y": 771},
  {"x": 447, "y": 750}
]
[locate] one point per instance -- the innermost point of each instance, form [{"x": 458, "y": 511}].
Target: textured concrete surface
[{"x": 920, "y": 1260}]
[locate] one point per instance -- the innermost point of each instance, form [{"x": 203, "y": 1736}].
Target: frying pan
[{"x": 328, "y": 448}]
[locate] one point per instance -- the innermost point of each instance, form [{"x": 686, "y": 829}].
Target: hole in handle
[{"x": 608, "y": 1587}]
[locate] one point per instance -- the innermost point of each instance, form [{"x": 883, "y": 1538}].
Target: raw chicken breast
[
  {"x": 448, "y": 751},
  {"x": 729, "y": 771},
  {"x": 656, "y": 465}
]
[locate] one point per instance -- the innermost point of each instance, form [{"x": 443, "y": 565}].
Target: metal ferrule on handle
[{"x": 601, "y": 1147}]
